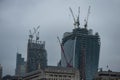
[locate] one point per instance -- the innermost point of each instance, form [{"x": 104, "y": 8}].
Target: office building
[
  {"x": 53, "y": 73},
  {"x": 20, "y": 65},
  {"x": 36, "y": 53}
]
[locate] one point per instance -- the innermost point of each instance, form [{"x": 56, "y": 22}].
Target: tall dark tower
[
  {"x": 36, "y": 53},
  {"x": 80, "y": 49},
  {"x": 0, "y": 72},
  {"x": 20, "y": 65}
]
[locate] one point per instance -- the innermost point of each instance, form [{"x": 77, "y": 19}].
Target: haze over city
[{"x": 17, "y": 17}]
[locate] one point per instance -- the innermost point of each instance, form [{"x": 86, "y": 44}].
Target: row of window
[
  {"x": 56, "y": 79},
  {"x": 51, "y": 75},
  {"x": 112, "y": 75},
  {"x": 53, "y": 79}
]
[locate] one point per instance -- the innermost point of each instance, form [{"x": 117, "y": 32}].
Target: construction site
[{"x": 79, "y": 50}]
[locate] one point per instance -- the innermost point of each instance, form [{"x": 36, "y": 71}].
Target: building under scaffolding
[{"x": 36, "y": 53}]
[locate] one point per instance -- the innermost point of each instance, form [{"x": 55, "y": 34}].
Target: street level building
[
  {"x": 9, "y": 77},
  {"x": 107, "y": 75},
  {"x": 20, "y": 65},
  {"x": 53, "y": 73},
  {"x": 36, "y": 53}
]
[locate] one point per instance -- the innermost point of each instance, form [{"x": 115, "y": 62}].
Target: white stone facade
[{"x": 53, "y": 73}]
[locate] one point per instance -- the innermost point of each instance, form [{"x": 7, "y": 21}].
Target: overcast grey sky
[{"x": 54, "y": 18}]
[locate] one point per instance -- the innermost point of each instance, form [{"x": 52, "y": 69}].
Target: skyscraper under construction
[
  {"x": 80, "y": 49},
  {"x": 36, "y": 52}
]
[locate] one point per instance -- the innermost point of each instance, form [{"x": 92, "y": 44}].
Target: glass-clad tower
[{"x": 81, "y": 50}]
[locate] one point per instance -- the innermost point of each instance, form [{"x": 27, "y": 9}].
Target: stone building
[
  {"x": 107, "y": 75},
  {"x": 53, "y": 73}
]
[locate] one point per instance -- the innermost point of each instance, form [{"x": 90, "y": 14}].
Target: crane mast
[
  {"x": 86, "y": 20},
  {"x": 82, "y": 68},
  {"x": 76, "y": 20},
  {"x": 35, "y": 32}
]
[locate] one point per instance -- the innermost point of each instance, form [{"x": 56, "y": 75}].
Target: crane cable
[{"x": 68, "y": 65}]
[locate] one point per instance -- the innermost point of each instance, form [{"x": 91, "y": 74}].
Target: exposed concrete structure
[
  {"x": 36, "y": 53},
  {"x": 53, "y": 73}
]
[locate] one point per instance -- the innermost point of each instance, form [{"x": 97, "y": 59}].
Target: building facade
[
  {"x": 53, "y": 73},
  {"x": 9, "y": 77},
  {"x": 20, "y": 65},
  {"x": 80, "y": 49},
  {"x": 107, "y": 75},
  {"x": 36, "y": 55},
  {"x": 0, "y": 72}
]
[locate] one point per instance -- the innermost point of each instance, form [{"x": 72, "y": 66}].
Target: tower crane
[
  {"x": 76, "y": 21},
  {"x": 62, "y": 49},
  {"x": 37, "y": 36},
  {"x": 31, "y": 36},
  {"x": 86, "y": 20}
]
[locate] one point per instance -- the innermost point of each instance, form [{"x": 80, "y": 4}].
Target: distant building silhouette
[
  {"x": 0, "y": 72},
  {"x": 9, "y": 77},
  {"x": 20, "y": 65}
]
